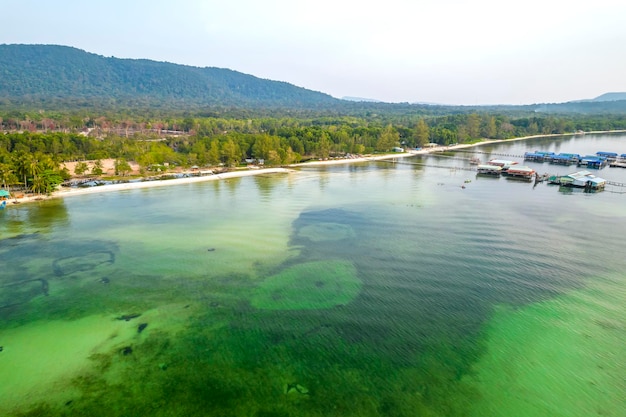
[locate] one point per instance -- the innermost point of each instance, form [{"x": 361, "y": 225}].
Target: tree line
[{"x": 33, "y": 146}]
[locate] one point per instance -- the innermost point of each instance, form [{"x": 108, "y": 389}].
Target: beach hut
[{"x": 4, "y": 194}]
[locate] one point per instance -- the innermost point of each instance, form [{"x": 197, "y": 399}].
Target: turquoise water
[{"x": 371, "y": 289}]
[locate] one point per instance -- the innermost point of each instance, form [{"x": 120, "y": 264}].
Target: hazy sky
[{"x": 441, "y": 51}]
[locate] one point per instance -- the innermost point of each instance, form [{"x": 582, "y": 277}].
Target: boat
[{"x": 3, "y": 204}]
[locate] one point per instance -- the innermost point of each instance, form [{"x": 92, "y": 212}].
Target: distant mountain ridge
[
  {"x": 608, "y": 103},
  {"x": 42, "y": 73},
  {"x": 361, "y": 99},
  {"x": 610, "y": 97},
  {"x": 602, "y": 98},
  {"x": 55, "y": 76}
]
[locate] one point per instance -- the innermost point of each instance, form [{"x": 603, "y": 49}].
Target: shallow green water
[{"x": 377, "y": 289}]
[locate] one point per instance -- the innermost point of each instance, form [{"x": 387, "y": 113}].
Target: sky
[{"x": 468, "y": 52}]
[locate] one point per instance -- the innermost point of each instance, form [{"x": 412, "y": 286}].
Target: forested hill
[{"x": 51, "y": 74}]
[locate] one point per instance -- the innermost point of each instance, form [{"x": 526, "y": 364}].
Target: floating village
[{"x": 580, "y": 179}]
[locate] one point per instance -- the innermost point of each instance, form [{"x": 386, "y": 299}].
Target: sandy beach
[
  {"x": 68, "y": 192},
  {"x": 64, "y": 192}
]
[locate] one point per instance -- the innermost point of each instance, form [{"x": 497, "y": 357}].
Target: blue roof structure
[{"x": 609, "y": 154}]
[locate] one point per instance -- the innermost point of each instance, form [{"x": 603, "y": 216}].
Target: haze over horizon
[{"x": 444, "y": 51}]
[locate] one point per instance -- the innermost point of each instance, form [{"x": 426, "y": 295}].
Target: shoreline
[{"x": 64, "y": 192}]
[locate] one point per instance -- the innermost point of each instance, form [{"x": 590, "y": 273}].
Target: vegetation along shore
[
  {"x": 69, "y": 117},
  {"x": 124, "y": 175}
]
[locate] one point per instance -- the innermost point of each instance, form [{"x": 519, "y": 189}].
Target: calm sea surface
[{"x": 412, "y": 288}]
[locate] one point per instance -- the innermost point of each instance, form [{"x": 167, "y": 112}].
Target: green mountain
[
  {"x": 49, "y": 74},
  {"x": 62, "y": 77}
]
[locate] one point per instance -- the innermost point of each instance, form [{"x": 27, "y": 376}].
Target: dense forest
[{"x": 52, "y": 76}]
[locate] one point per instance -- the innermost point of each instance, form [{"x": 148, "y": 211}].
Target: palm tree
[
  {"x": 35, "y": 167},
  {"x": 39, "y": 185},
  {"x": 21, "y": 163},
  {"x": 6, "y": 174}
]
